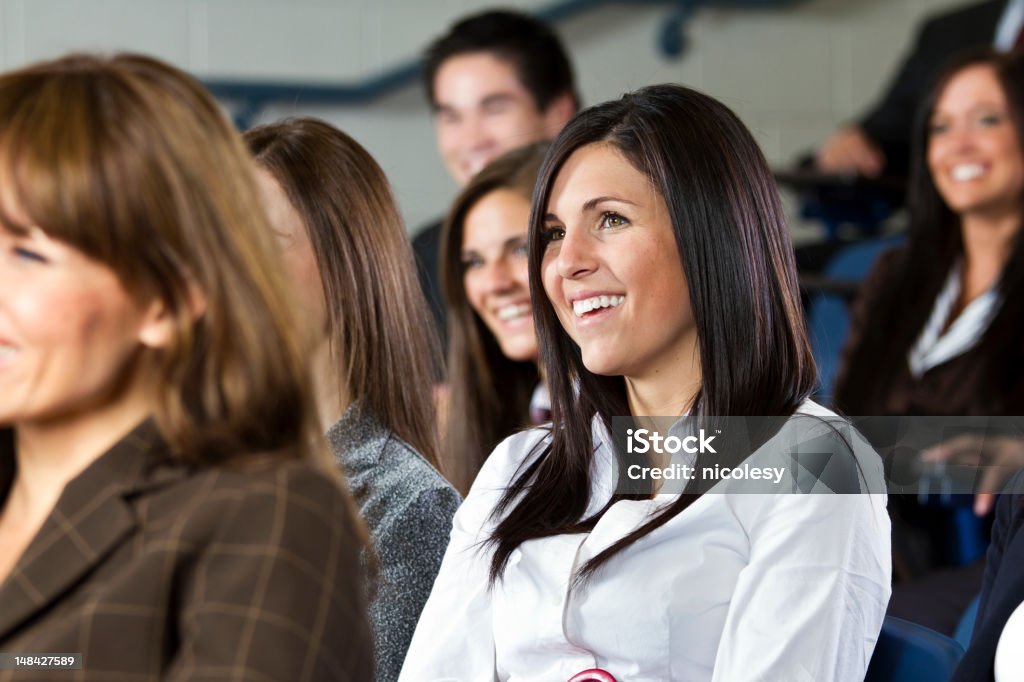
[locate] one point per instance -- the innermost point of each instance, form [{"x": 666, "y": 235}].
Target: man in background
[{"x": 496, "y": 81}]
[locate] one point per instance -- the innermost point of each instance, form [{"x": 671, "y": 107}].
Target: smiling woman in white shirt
[{"x": 664, "y": 285}]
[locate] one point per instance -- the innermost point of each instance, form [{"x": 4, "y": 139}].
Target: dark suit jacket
[
  {"x": 1003, "y": 586},
  {"x": 944, "y": 389},
  {"x": 941, "y": 38},
  {"x": 920, "y": 533},
  {"x": 155, "y": 571},
  {"x": 426, "y": 246}
]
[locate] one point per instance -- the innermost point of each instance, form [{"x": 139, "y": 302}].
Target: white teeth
[
  {"x": 476, "y": 164},
  {"x": 513, "y": 311},
  {"x": 967, "y": 171},
  {"x": 584, "y": 306},
  {"x": 7, "y": 352}
]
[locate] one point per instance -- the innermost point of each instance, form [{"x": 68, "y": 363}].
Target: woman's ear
[
  {"x": 158, "y": 322},
  {"x": 157, "y": 328}
]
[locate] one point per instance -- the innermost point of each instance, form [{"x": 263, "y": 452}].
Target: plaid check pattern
[{"x": 154, "y": 571}]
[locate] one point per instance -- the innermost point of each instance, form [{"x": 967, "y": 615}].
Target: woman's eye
[
  {"x": 611, "y": 219},
  {"x": 937, "y": 128},
  {"x": 521, "y": 250},
  {"x": 989, "y": 120},
  {"x": 22, "y": 253},
  {"x": 446, "y": 117},
  {"x": 470, "y": 262},
  {"x": 553, "y": 234}
]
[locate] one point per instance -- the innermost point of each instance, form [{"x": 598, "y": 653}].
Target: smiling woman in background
[
  {"x": 494, "y": 384},
  {"x": 930, "y": 334},
  {"x": 351, "y": 262},
  {"x": 664, "y": 285},
  {"x": 167, "y": 508},
  {"x": 938, "y": 328}
]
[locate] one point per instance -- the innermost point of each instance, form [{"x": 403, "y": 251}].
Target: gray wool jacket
[{"x": 408, "y": 508}]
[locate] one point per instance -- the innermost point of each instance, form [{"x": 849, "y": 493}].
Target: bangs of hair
[
  {"x": 131, "y": 162},
  {"x": 377, "y": 318},
  {"x": 61, "y": 160}
]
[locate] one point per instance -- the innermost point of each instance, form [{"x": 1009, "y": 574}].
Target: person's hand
[
  {"x": 850, "y": 151},
  {"x": 998, "y": 458}
]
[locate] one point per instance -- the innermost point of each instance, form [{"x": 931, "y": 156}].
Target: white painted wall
[{"x": 793, "y": 74}]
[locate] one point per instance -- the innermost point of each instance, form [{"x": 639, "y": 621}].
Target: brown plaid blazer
[{"x": 154, "y": 571}]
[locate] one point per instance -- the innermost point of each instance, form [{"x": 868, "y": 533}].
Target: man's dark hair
[{"x": 532, "y": 48}]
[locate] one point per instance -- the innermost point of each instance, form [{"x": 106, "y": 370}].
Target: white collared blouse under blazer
[{"x": 737, "y": 587}]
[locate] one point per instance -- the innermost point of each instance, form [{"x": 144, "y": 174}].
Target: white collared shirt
[
  {"x": 1009, "y": 26},
  {"x": 737, "y": 587},
  {"x": 933, "y": 346}
]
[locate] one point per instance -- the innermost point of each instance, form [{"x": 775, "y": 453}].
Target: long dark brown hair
[
  {"x": 935, "y": 244},
  {"x": 377, "y": 317},
  {"x": 738, "y": 261},
  {"x": 489, "y": 392}
]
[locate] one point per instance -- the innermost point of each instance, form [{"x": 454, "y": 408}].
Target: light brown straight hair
[{"x": 378, "y": 321}]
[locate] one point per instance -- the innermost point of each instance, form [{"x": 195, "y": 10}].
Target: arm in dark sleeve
[
  {"x": 891, "y": 121},
  {"x": 1007, "y": 521},
  {"x": 977, "y": 663}
]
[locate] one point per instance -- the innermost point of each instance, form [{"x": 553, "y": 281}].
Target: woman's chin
[{"x": 519, "y": 351}]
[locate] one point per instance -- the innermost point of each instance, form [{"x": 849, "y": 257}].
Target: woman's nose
[
  {"x": 498, "y": 276},
  {"x": 575, "y": 255}
]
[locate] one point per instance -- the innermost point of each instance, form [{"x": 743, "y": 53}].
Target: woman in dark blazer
[
  {"x": 938, "y": 329},
  {"x": 167, "y": 507},
  {"x": 930, "y": 334},
  {"x": 350, "y": 259}
]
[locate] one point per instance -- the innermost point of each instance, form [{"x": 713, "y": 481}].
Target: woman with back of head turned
[
  {"x": 167, "y": 508},
  {"x": 351, "y": 262},
  {"x": 664, "y": 285}
]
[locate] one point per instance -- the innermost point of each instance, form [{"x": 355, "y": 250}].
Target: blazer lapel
[{"x": 90, "y": 520}]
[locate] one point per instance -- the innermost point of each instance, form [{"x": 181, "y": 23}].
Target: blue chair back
[
  {"x": 829, "y": 317},
  {"x": 965, "y": 628},
  {"x": 908, "y": 652}
]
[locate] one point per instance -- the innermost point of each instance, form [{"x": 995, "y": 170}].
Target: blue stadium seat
[
  {"x": 965, "y": 627},
  {"x": 908, "y": 652},
  {"x": 829, "y": 317}
]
